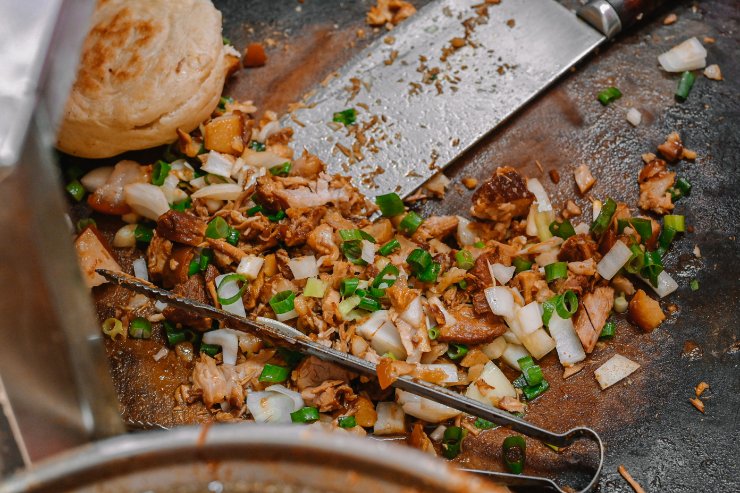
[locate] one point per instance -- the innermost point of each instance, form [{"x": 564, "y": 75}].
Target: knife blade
[
  {"x": 442, "y": 80},
  {"x": 283, "y": 335}
]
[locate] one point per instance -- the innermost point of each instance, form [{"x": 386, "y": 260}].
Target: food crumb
[
  {"x": 713, "y": 72},
  {"x": 697, "y": 403},
  {"x": 699, "y": 389},
  {"x": 628, "y": 477},
  {"x": 670, "y": 19},
  {"x": 511, "y": 23},
  {"x": 389, "y": 13},
  {"x": 569, "y": 371},
  {"x": 470, "y": 182},
  {"x": 584, "y": 179},
  {"x": 389, "y": 40},
  {"x": 457, "y": 43},
  {"x": 254, "y": 56},
  {"x": 709, "y": 40},
  {"x": 360, "y": 33},
  {"x": 697, "y": 252},
  {"x": 571, "y": 210},
  {"x": 554, "y": 176}
]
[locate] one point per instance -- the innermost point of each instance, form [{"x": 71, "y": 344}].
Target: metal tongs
[{"x": 286, "y": 336}]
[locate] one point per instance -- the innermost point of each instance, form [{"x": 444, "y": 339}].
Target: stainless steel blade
[
  {"x": 429, "y": 112},
  {"x": 286, "y": 336}
]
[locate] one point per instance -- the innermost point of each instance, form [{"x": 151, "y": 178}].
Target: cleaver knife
[{"x": 433, "y": 86}]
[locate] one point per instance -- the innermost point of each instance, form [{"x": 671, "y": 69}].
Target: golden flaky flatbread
[{"x": 148, "y": 67}]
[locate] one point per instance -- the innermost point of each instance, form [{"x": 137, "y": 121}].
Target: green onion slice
[
  {"x": 346, "y": 117},
  {"x": 387, "y": 277},
  {"x": 684, "y": 85},
  {"x": 389, "y": 247},
  {"x": 217, "y": 228},
  {"x": 563, "y": 229},
  {"x": 694, "y": 285},
  {"x": 608, "y": 331},
  {"x": 419, "y": 260},
  {"x": 254, "y": 210},
  {"x": 305, "y": 415},
  {"x": 433, "y": 332},
  {"x": 210, "y": 349},
  {"x": 281, "y": 169},
  {"x": 113, "y": 327},
  {"x": 76, "y": 190},
  {"x": 206, "y": 257},
  {"x": 531, "y": 392},
  {"x": 514, "y": 453},
  {"x": 257, "y": 146},
  {"x": 347, "y": 422},
  {"x": 369, "y": 304},
  {"x": 174, "y": 336},
  {"x": 608, "y": 95},
  {"x": 348, "y": 286},
  {"x": 182, "y": 205},
  {"x": 464, "y": 259},
  {"x": 140, "y": 328},
  {"x": 143, "y": 233},
  {"x": 522, "y": 264},
  {"x": 83, "y": 224},
  {"x": 556, "y": 270},
  {"x": 456, "y": 351},
  {"x": 452, "y": 441},
  {"x": 229, "y": 278},
  {"x": 274, "y": 374},
  {"x": 276, "y": 217},
  {"x": 636, "y": 261},
  {"x": 675, "y": 221},
  {"x": 431, "y": 273},
  {"x": 601, "y": 224},
  {"x": 666, "y": 237},
  {"x": 483, "y": 424},
  {"x": 194, "y": 266},
  {"x": 160, "y": 170},
  {"x": 282, "y": 302},
  {"x": 653, "y": 267},
  {"x": 566, "y": 304},
  {"x": 390, "y": 204},
  {"x": 644, "y": 227},
  {"x": 410, "y": 223},
  {"x": 232, "y": 237}
]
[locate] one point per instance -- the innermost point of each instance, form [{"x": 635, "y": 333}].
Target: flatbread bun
[{"x": 148, "y": 67}]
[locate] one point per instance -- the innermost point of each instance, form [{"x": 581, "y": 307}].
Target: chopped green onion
[
  {"x": 348, "y": 286},
  {"x": 282, "y": 302},
  {"x": 361, "y": 292},
  {"x": 680, "y": 189},
  {"x": 531, "y": 392},
  {"x": 76, "y": 190},
  {"x": 257, "y": 146},
  {"x": 276, "y": 217},
  {"x": 217, "y": 228},
  {"x": 531, "y": 372},
  {"x": 609, "y": 330},
  {"x": 456, "y": 351},
  {"x": 375, "y": 292},
  {"x": 464, "y": 259},
  {"x": 113, "y": 327},
  {"x": 194, "y": 266},
  {"x": 644, "y": 227},
  {"x": 653, "y": 267},
  {"x": 281, "y": 169},
  {"x": 601, "y": 224},
  {"x": 514, "y": 453},
  {"x": 83, "y": 224},
  {"x": 232, "y": 299},
  {"x": 452, "y": 441},
  {"x": 675, "y": 221},
  {"x": 291, "y": 358},
  {"x": 174, "y": 336},
  {"x": 431, "y": 273},
  {"x": 346, "y": 117},
  {"x": 389, "y": 247},
  {"x": 562, "y": 230},
  {"x": 314, "y": 288},
  {"x": 382, "y": 281},
  {"x": 666, "y": 237},
  {"x": 483, "y": 424},
  {"x": 353, "y": 251},
  {"x": 636, "y": 261},
  {"x": 232, "y": 237},
  {"x": 556, "y": 270},
  {"x": 433, "y": 332},
  {"x": 355, "y": 235},
  {"x": 143, "y": 233},
  {"x": 305, "y": 415},
  {"x": 223, "y": 100},
  {"x": 140, "y": 328},
  {"x": 479, "y": 244},
  {"x": 608, "y": 95},
  {"x": 210, "y": 349},
  {"x": 419, "y": 260},
  {"x": 694, "y": 285},
  {"x": 160, "y": 170},
  {"x": 347, "y": 422},
  {"x": 410, "y": 223},
  {"x": 390, "y": 204},
  {"x": 566, "y": 304},
  {"x": 182, "y": 205},
  {"x": 347, "y": 305},
  {"x": 206, "y": 257},
  {"x": 369, "y": 304},
  {"x": 254, "y": 210},
  {"x": 274, "y": 373},
  {"x": 522, "y": 264},
  {"x": 684, "y": 85},
  {"x": 389, "y": 355},
  {"x": 548, "y": 308},
  {"x": 463, "y": 284}
]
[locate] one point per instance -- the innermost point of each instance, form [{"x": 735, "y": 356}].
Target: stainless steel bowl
[{"x": 244, "y": 458}]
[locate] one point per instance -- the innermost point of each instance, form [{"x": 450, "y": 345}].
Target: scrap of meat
[
  {"x": 329, "y": 396},
  {"x": 181, "y": 227},
  {"x": 577, "y": 248},
  {"x": 438, "y": 227},
  {"x": 389, "y": 12},
  {"x": 503, "y": 197},
  {"x": 312, "y": 371},
  {"x": 655, "y": 181},
  {"x": 471, "y": 328},
  {"x": 592, "y": 315},
  {"x": 193, "y": 288}
]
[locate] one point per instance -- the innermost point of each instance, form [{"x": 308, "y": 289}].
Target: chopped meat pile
[{"x": 389, "y": 12}]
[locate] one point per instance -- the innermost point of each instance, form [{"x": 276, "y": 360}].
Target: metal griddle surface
[{"x": 647, "y": 421}]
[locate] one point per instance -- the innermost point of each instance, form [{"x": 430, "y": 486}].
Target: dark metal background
[{"x": 647, "y": 422}]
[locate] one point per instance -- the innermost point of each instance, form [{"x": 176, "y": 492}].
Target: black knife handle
[{"x": 612, "y": 16}]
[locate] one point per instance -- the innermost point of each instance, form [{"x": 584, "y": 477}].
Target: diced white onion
[
  {"x": 540, "y": 195},
  {"x": 567, "y": 343},
  {"x": 125, "y": 237},
  {"x": 511, "y": 337},
  {"x": 422, "y": 408},
  {"x": 615, "y": 369},
  {"x": 666, "y": 284},
  {"x": 437, "y": 184},
  {"x": 500, "y": 300},
  {"x": 146, "y": 199},
  {"x": 140, "y": 269},
  {"x": 531, "y": 223},
  {"x": 713, "y": 72},
  {"x": 274, "y": 405},
  {"x": 538, "y": 343},
  {"x": 584, "y": 179},
  {"x": 173, "y": 194},
  {"x": 304, "y": 267},
  {"x": 596, "y": 208},
  {"x": 512, "y": 354},
  {"x": 219, "y": 191},
  {"x": 264, "y": 159},
  {"x": 634, "y": 116},
  {"x": 449, "y": 369},
  {"x": 414, "y": 313},
  {"x": 171, "y": 181},
  {"x": 391, "y": 419},
  {"x": 495, "y": 348},
  {"x": 283, "y": 317},
  {"x": 228, "y": 339},
  {"x": 163, "y": 352},
  {"x": 96, "y": 178},
  {"x": 291, "y": 394},
  {"x": 198, "y": 183},
  {"x": 438, "y": 434},
  {"x": 493, "y": 387},
  {"x": 181, "y": 170},
  {"x": 449, "y": 319},
  {"x": 382, "y": 334},
  {"x": 218, "y": 164},
  {"x": 530, "y": 317},
  {"x": 227, "y": 290},
  {"x": 465, "y": 236},
  {"x": 266, "y": 131},
  {"x": 581, "y": 228},
  {"x": 160, "y": 306},
  {"x": 250, "y": 266},
  {"x": 614, "y": 260},
  {"x": 689, "y": 55},
  {"x": 368, "y": 251},
  {"x": 502, "y": 273}
]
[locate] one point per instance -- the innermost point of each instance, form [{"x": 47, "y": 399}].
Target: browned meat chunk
[
  {"x": 176, "y": 268},
  {"x": 503, "y": 197},
  {"x": 529, "y": 283},
  {"x": 389, "y": 12},
  {"x": 577, "y": 248},
  {"x": 574, "y": 282},
  {"x": 655, "y": 181},
  {"x": 193, "y": 288},
  {"x": 471, "y": 328},
  {"x": 480, "y": 274},
  {"x": 480, "y": 304},
  {"x": 400, "y": 296},
  {"x": 312, "y": 371},
  {"x": 181, "y": 227},
  {"x": 266, "y": 193},
  {"x": 592, "y": 315},
  {"x": 672, "y": 149},
  {"x": 308, "y": 166},
  {"x": 645, "y": 311},
  {"x": 438, "y": 227},
  {"x": 302, "y": 221},
  {"x": 157, "y": 255},
  {"x": 329, "y": 396}
]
